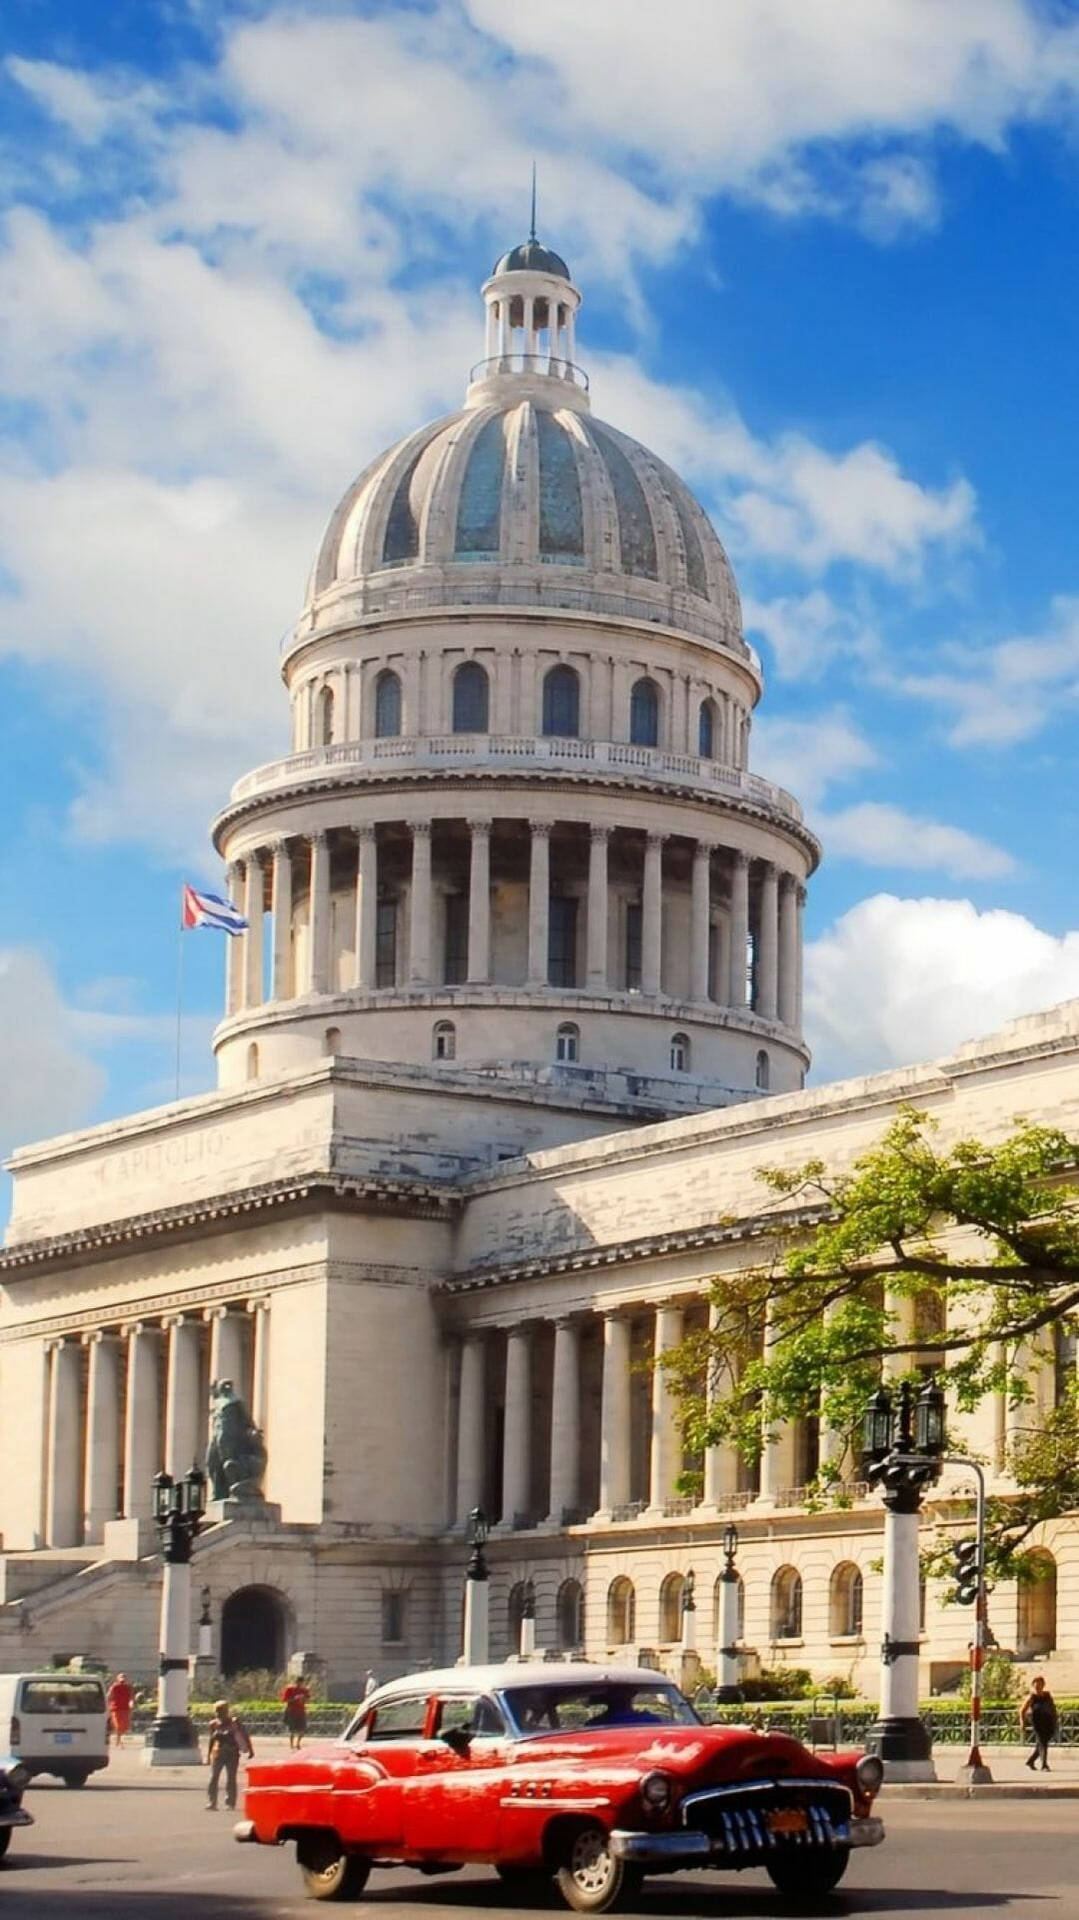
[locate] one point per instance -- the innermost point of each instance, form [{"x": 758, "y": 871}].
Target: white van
[{"x": 56, "y": 1723}]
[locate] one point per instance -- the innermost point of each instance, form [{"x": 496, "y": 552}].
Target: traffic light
[{"x": 968, "y": 1573}]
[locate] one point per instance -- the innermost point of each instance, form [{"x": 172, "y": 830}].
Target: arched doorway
[{"x": 253, "y": 1632}]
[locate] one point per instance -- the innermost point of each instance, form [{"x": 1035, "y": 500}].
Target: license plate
[
  {"x": 788, "y": 1820},
  {"x": 62, "y": 1739}
]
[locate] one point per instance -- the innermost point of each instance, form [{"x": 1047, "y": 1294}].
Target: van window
[{"x": 62, "y": 1696}]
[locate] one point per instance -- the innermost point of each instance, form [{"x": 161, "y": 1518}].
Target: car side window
[
  {"x": 401, "y": 1719},
  {"x": 470, "y": 1713}
]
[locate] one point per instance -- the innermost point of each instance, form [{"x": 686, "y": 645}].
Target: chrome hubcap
[{"x": 590, "y": 1863}]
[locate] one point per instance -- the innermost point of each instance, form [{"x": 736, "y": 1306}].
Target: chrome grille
[{"x": 739, "y": 1820}]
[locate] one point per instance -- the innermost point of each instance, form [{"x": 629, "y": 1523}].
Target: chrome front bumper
[
  {"x": 682, "y": 1846},
  {"x": 244, "y": 1830}
]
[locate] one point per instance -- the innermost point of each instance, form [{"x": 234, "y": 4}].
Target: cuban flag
[{"x": 210, "y": 910}]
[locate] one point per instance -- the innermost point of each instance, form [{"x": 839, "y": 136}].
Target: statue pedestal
[{"x": 258, "y": 1512}]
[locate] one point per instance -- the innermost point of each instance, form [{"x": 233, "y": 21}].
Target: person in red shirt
[
  {"x": 119, "y": 1700},
  {"x": 295, "y": 1697}
]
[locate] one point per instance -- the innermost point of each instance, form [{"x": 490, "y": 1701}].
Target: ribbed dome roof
[
  {"x": 524, "y": 501},
  {"x": 530, "y": 257}
]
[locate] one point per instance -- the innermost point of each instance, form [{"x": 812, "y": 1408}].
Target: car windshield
[
  {"x": 62, "y": 1696},
  {"x": 603, "y": 1703}
]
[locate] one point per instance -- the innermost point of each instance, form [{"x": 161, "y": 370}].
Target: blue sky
[{"x": 829, "y": 265}]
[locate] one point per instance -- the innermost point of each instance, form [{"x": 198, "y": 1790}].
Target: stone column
[
  {"x": 800, "y": 900},
  {"x": 62, "y": 1490},
  {"x": 101, "y": 1467},
  {"x": 479, "y": 901},
  {"x": 282, "y": 921},
  {"x": 720, "y": 1463},
  {"x": 470, "y": 1428},
  {"x": 235, "y": 944},
  {"x": 419, "y": 923},
  {"x": 539, "y": 903},
  {"x": 142, "y": 1457},
  {"x": 252, "y": 939},
  {"x": 318, "y": 931},
  {"x": 766, "y": 970},
  {"x": 736, "y": 984},
  {"x": 666, "y": 1453},
  {"x": 260, "y": 1368},
  {"x": 614, "y": 1418},
  {"x": 777, "y": 1461},
  {"x": 228, "y": 1342},
  {"x": 366, "y": 934},
  {"x": 596, "y": 979},
  {"x": 788, "y": 950},
  {"x": 699, "y": 921},
  {"x": 183, "y": 1423},
  {"x": 565, "y": 1421},
  {"x": 652, "y": 914},
  {"x": 516, "y": 1450}
]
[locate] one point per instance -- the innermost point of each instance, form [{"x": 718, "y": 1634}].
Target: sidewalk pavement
[{"x": 1012, "y": 1778}]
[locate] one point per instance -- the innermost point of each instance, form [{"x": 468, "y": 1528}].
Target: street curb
[{"x": 955, "y": 1790}]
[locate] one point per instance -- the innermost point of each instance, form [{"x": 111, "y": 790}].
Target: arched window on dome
[
  {"x": 706, "y": 730},
  {"x": 444, "y": 1040},
  {"x": 471, "y": 699},
  {"x": 567, "y": 1044},
  {"x": 331, "y": 1042},
  {"x": 324, "y": 718},
  {"x": 680, "y": 1053},
  {"x": 387, "y": 705},
  {"x": 644, "y": 714},
  {"x": 562, "y": 703},
  {"x": 763, "y": 1071}
]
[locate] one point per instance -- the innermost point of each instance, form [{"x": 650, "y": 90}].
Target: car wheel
[
  {"x": 591, "y": 1879},
  {"x": 327, "y": 1873},
  {"x": 5, "y": 1840},
  {"x": 807, "y": 1879},
  {"x": 77, "y": 1779},
  {"x": 522, "y": 1881}
]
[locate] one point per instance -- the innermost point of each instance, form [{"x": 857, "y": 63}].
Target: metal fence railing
[{"x": 845, "y": 1723}]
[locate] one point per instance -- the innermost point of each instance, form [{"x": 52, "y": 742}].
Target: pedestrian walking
[
  {"x": 295, "y": 1697},
  {"x": 1039, "y": 1713},
  {"x": 119, "y": 1701},
  {"x": 228, "y": 1739}
]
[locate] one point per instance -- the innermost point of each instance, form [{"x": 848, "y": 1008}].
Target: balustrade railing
[{"x": 446, "y": 749}]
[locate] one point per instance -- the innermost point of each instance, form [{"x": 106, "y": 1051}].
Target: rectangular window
[
  {"x": 633, "y": 947},
  {"x": 455, "y": 968},
  {"x": 386, "y": 944},
  {"x": 562, "y": 942},
  {"x": 393, "y": 1616}
]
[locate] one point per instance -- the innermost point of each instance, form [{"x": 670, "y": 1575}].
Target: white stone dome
[{"x": 523, "y": 499}]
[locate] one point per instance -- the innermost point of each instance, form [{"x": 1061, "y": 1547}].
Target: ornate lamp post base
[
  {"x": 172, "y": 1741},
  {"x": 904, "y": 1746}
]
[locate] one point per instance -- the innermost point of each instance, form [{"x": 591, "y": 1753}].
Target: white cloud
[
  {"x": 808, "y": 633},
  {"x": 1008, "y": 692},
  {"x": 886, "y": 836},
  {"x": 47, "y": 1082},
  {"x": 809, "y": 756},
  {"x": 898, "y": 981}
]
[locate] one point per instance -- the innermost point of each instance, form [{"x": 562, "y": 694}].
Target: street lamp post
[
  {"x": 527, "y": 1645},
  {"x": 689, "y": 1613},
  {"x": 728, "y": 1687},
  {"x": 476, "y": 1593},
  {"x": 903, "y": 1442},
  {"x": 178, "y": 1508}
]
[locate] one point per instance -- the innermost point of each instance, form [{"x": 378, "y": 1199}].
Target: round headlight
[
  {"x": 18, "y": 1777},
  {"x": 869, "y": 1772},
  {"x": 657, "y": 1791}
]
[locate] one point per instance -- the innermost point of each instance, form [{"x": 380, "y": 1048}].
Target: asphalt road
[{"x": 132, "y": 1844}]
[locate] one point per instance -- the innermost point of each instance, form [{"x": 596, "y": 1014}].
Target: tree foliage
[{"x": 959, "y": 1261}]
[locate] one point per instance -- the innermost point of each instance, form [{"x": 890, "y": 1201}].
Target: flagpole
[{"x": 179, "y": 992}]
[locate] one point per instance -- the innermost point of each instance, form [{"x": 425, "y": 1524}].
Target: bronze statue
[{"x": 236, "y": 1456}]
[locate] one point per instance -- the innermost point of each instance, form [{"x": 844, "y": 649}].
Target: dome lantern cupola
[{"x": 531, "y": 305}]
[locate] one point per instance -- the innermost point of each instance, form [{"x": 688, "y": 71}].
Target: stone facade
[{"x": 514, "y": 1027}]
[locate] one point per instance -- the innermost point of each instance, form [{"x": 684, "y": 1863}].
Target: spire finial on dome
[{"x": 532, "y": 225}]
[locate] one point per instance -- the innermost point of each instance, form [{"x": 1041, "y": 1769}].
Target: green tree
[{"x": 918, "y": 1258}]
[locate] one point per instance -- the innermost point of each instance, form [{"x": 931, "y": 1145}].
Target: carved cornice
[{"x": 422, "y": 1199}]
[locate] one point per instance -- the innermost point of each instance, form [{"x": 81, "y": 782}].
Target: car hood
[{"x": 730, "y": 1753}]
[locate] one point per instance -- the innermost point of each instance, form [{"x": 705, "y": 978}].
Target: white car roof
[{"x": 519, "y": 1673}]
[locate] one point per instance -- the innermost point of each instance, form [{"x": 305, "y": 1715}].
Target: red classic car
[{"x": 592, "y": 1775}]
